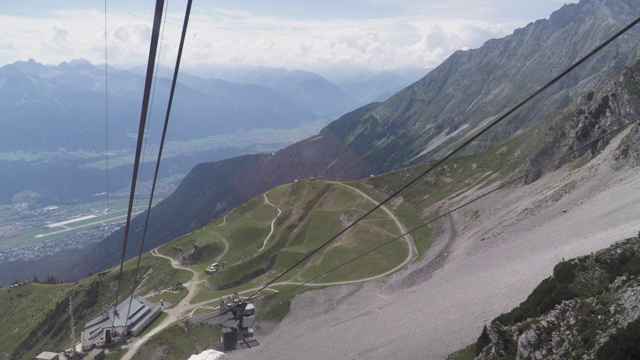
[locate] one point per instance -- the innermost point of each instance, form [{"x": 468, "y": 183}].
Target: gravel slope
[{"x": 439, "y": 305}]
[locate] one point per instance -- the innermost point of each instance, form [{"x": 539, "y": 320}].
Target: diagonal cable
[
  {"x": 457, "y": 149},
  {"x": 431, "y": 221}
]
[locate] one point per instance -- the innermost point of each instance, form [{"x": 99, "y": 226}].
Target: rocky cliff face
[
  {"x": 594, "y": 113},
  {"x": 600, "y": 296}
]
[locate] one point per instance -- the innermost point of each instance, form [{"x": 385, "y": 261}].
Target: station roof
[{"x": 110, "y": 318}]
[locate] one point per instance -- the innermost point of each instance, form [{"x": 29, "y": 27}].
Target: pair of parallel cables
[{"x": 143, "y": 117}]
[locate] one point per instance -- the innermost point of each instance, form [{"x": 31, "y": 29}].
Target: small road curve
[
  {"x": 224, "y": 220},
  {"x": 173, "y": 313},
  {"x": 226, "y": 248},
  {"x": 178, "y": 311},
  {"x": 413, "y": 251},
  {"x": 272, "y": 222},
  {"x": 174, "y": 262}
]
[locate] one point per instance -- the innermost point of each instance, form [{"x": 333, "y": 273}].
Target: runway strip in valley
[{"x": 99, "y": 220}]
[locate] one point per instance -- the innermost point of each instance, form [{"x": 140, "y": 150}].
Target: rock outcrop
[{"x": 604, "y": 297}]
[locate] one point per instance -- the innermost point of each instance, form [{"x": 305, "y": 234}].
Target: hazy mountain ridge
[
  {"x": 72, "y": 95},
  {"x": 54, "y": 119},
  {"x": 305, "y": 88},
  {"x": 329, "y": 92},
  {"x": 33, "y": 98},
  {"x": 367, "y": 86},
  {"x": 473, "y": 86}
]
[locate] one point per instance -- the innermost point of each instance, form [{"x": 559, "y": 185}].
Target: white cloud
[
  {"x": 415, "y": 33},
  {"x": 60, "y": 34},
  {"x": 132, "y": 33}
]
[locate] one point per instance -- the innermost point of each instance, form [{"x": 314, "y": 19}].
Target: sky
[{"x": 292, "y": 34}]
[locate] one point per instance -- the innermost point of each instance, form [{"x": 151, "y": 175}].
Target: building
[
  {"x": 47, "y": 355},
  {"x": 112, "y": 325}
]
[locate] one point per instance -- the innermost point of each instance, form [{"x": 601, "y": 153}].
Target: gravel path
[
  {"x": 489, "y": 258},
  {"x": 172, "y": 314},
  {"x": 278, "y": 212}
]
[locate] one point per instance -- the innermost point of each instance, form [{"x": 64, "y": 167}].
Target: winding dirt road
[
  {"x": 173, "y": 313},
  {"x": 186, "y": 308},
  {"x": 413, "y": 252},
  {"x": 272, "y": 222}
]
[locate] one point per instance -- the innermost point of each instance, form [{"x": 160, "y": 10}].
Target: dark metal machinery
[{"x": 238, "y": 330}]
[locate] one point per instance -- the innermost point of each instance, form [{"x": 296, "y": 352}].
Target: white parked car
[{"x": 212, "y": 269}]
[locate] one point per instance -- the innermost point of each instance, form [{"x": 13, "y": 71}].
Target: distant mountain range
[
  {"x": 48, "y": 107},
  {"x": 331, "y": 92},
  {"x": 55, "y": 116},
  {"x": 367, "y": 86},
  {"x": 304, "y": 88}
]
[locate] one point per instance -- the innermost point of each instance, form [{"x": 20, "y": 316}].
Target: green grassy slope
[
  {"x": 35, "y": 316},
  {"x": 311, "y": 212},
  {"x": 180, "y": 341}
]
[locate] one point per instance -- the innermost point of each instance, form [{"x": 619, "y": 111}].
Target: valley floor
[{"x": 487, "y": 260}]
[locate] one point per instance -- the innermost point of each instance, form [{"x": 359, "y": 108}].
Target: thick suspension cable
[
  {"x": 456, "y": 150},
  {"x": 153, "y": 91},
  {"x": 143, "y": 116},
  {"x": 164, "y": 133},
  {"x": 439, "y": 217},
  {"x": 106, "y": 108}
]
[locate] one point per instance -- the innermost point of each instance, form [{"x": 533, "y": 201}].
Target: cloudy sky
[{"x": 305, "y": 34}]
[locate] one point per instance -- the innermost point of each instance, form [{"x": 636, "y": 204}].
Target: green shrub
[
  {"x": 482, "y": 341},
  {"x": 551, "y": 291},
  {"x": 601, "y": 109},
  {"x": 623, "y": 345},
  {"x": 565, "y": 272}
]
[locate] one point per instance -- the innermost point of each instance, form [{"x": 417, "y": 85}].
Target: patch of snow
[
  {"x": 209, "y": 355},
  {"x": 440, "y": 139}
]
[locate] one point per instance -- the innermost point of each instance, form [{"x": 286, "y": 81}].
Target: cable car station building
[{"x": 111, "y": 326}]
